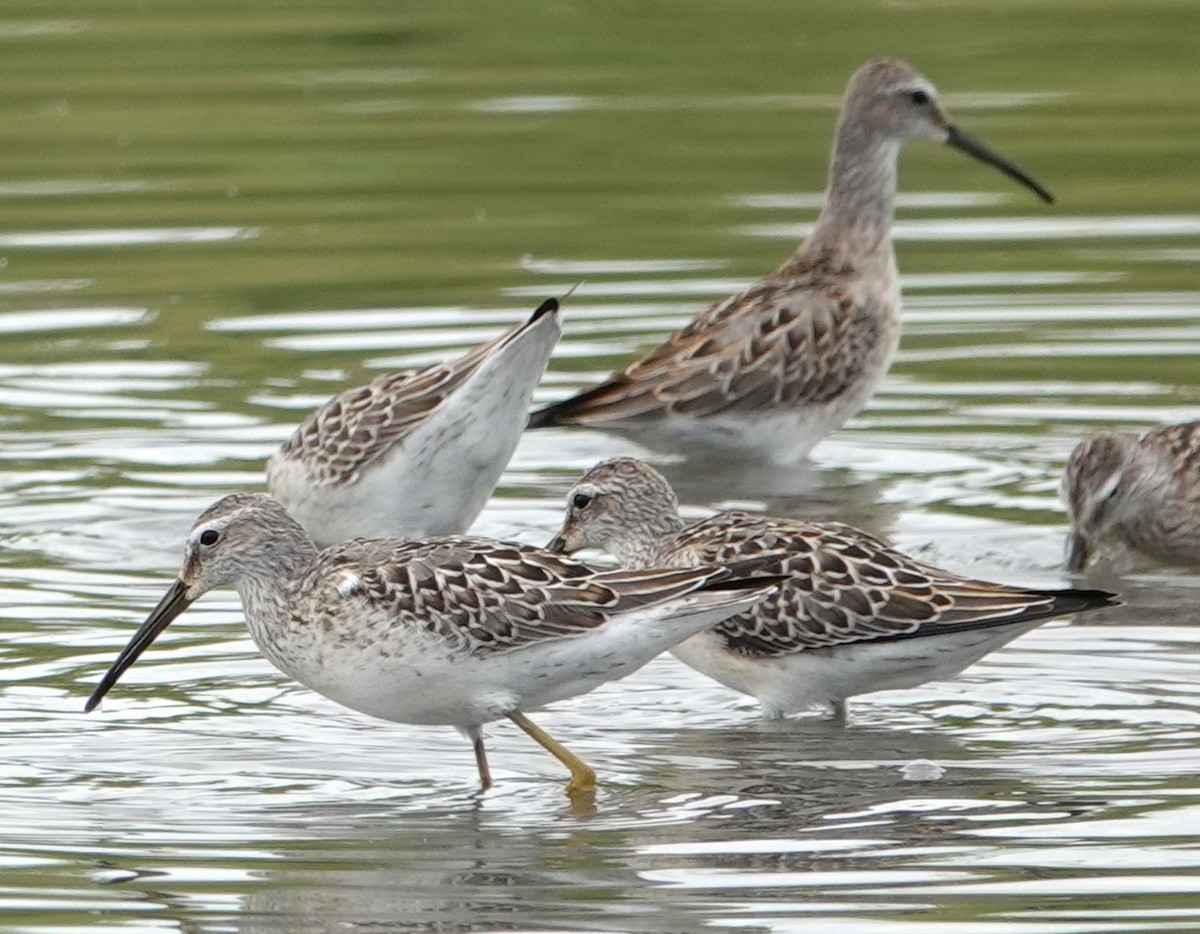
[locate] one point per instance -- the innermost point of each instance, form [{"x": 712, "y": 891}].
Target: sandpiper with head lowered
[
  {"x": 455, "y": 631},
  {"x": 770, "y": 371},
  {"x": 853, "y": 617},
  {"x": 415, "y": 454},
  {"x": 1135, "y": 495}
]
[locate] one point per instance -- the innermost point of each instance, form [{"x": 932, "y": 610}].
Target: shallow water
[{"x": 216, "y": 215}]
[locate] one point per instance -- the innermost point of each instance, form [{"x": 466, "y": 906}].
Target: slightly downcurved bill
[
  {"x": 964, "y": 142},
  {"x": 174, "y": 602}
]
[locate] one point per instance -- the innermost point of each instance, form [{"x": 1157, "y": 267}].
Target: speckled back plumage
[
  {"x": 457, "y": 630},
  {"x": 796, "y": 337},
  {"x": 845, "y": 586},
  {"x": 356, "y": 427},
  {"x": 388, "y": 610},
  {"x": 1182, "y": 442},
  {"x": 476, "y": 593},
  {"x": 417, "y": 454}
]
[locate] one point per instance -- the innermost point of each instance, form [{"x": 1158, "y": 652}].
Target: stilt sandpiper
[
  {"x": 854, "y": 616},
  {"x": 770, "y": 371},
  {"x": 455, "y": 631},
  {"x": 1135, "y": 493},
  {"x": 414, "y": 454}
]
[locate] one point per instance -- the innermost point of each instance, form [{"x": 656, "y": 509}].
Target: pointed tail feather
[{"x": 604, "y": 402}]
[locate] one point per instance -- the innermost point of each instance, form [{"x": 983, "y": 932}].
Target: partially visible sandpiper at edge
[{"x": 1135, "y": 496}]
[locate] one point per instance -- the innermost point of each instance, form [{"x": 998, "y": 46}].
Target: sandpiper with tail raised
[{"x": 415, "y": 454}]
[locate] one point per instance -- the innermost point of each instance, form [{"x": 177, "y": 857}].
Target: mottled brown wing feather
[
  {"x": 783, "y": 341},
  {"x": 1182, "y": 442},
  {"x": 846, "y": 586},
  {"x": 358, "y": 425},
  {"x": 491, "y": 596}
]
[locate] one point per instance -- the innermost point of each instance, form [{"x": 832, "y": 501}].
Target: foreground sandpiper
[
  {"x": 415, "y": 454},
  {"x": 1135, "y": 493},
  {"x": 769, "y": 372},
  {"x": 455, "y": 631},
  {"x": 853, "y": 617}
]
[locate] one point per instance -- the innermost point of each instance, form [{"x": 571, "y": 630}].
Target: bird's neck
[
  {"x": 855, "y": 225},
  {"x": 652, "y": 543},
  {"x": 267, "y": 582}
]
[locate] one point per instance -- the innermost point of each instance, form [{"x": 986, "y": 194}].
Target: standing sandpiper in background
[{"x": 771, "y": 371}]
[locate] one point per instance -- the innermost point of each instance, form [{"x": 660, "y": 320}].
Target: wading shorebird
[
  {"x": 769, "y": 372},
  {"x": 415, "y": 454},
  {"x": 853, "y": 617},
  {"x": 1135, "y": 493},
  {"x": 453, "y": 631}
]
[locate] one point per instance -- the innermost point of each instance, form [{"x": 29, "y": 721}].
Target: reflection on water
[{"x": 213, "y": 223}]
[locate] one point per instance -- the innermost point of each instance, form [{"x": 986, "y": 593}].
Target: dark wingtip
[
  {"x": 753, "y": 582},
  {"x": 543, "y": 418},
  {"x": 1075, "y": 600},
  {"x": 748, "y": 573},
  {"x": 545, "y": 308},
  {"x": 567, "y": 411}
]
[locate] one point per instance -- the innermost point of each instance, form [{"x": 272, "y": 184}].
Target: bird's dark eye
[
  {"x": 920, "y": 98},
  {"x": 209, "y": 537},
  {"x": 580, "y": 500}
]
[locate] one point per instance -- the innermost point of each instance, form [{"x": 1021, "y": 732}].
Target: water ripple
[{"x": 134, "y": 236}]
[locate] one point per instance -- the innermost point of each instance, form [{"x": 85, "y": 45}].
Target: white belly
[
  {"x": 791, "y": 683},
  {"x": 397, "y": 671},
  {"x": 402, "y": 495}
]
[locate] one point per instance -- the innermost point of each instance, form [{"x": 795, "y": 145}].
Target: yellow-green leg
[{"x": 583, "y": 777}]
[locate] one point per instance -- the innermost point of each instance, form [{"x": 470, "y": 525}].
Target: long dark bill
[
  {"x": 174, "y": 602},
  {"x": 558, "y": 545},
  {"x": 964, "y": 142}
]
